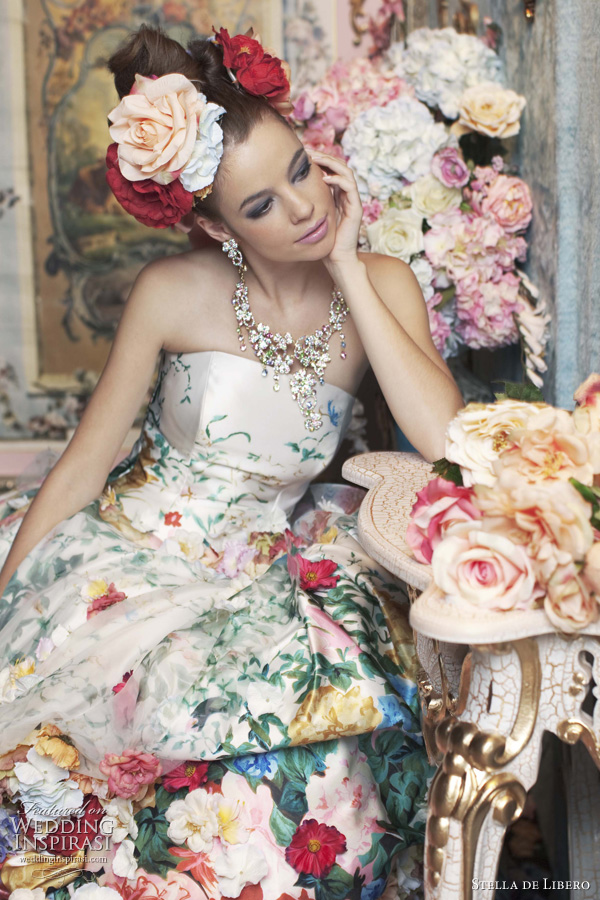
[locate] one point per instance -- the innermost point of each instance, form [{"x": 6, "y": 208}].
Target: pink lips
[{"x": 316, "y": 233}]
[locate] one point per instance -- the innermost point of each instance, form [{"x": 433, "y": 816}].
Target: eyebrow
[{"x": 252, "y": 197}]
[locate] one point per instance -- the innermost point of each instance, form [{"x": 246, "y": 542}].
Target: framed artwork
[{"x": 86, "y": 251}]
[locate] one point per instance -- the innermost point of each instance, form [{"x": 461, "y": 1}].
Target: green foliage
[
  {"x": 443, "y": 468},
  {"x": 592, "y": 495},
  {"x": 519, "y": 390}
]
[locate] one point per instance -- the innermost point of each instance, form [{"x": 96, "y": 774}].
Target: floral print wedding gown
[{"x": 207, "y": 687}]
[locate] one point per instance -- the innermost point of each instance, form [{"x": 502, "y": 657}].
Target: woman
[{"x": 196, "y": 651}]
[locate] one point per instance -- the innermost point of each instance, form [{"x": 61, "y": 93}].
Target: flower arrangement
[
  {"x": 512, "y": 520},
  {"x": 423, "y": 127}
]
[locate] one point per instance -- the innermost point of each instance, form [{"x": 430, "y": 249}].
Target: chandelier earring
[{"x": 233, "y": 252}]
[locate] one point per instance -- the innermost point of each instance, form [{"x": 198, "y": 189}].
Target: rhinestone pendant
[{"x": 302, "y": 386}]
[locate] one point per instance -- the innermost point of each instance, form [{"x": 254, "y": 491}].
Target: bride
[{"x": 198, "y": 661}]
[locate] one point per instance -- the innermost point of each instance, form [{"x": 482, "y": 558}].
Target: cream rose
[
  {"x": 484, "y": 569},
  {"x": 569, "y": 604},
  {"x": 586, "y": 414},
  {"x": 398, "y": 232},
  {"x": 591, "y": 571},
  {"x": 155, "y": 127},
  {"x": 429, "y": 196},
  {"x": 491, "y": 109},
  {"x": 478, "y": 433}
]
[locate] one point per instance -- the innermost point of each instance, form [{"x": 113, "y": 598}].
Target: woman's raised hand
[{"x": 340, "y": 177}]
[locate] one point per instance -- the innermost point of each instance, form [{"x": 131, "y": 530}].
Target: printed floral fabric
[{"x": 206, "y": 664}]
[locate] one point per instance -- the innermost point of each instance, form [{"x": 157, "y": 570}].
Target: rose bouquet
[
  {"x": 511, "y": 522},
  {"x": 423, "y": 128}
]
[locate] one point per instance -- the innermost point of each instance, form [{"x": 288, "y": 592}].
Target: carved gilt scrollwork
[{"x": 468, "y": 784}]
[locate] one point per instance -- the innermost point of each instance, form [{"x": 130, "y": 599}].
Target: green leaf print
[
  {"x": 283, "y": 828},
  {"x": 390, "y": 748},
  {"x": 293, "y": 798},
  {"x": 152, "y": 842},
  {"x": 407, "y": 789},
  {"x": 337, "y": 885}
]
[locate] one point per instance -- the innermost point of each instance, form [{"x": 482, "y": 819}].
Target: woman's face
[{"x": 273, "y": 199}]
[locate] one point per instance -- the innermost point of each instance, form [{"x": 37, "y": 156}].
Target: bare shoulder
[
  {"x": 388, "y": 269},
  {"x": 176, "y": 293}
]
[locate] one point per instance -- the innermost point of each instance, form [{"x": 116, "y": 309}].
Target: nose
[{"x": 300, "y": 206}]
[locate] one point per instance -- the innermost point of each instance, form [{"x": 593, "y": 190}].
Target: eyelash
[{"x": 262, "y": 210}]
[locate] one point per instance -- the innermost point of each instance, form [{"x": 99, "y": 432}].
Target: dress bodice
[{"x": 221, "y": 450}]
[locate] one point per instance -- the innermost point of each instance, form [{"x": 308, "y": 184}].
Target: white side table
[{"x": 484, "y": 723}]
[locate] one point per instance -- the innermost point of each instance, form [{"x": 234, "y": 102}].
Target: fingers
[{"x": 331, "y": 162}]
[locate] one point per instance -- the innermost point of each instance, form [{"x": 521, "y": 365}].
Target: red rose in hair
[
  {"x": 239, "y": 50},
  {"x": 260, "y": 73},
  {"x": 314, "y": 847},
  {"x": 153, "y": 204}
]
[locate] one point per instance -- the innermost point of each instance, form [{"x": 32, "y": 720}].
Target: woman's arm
[
  {"x": 79, "y": 475},
  {"x": 390, "y": 314}
]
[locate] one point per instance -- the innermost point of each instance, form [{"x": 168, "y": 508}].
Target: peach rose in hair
[{"x": 155, "y": 127}]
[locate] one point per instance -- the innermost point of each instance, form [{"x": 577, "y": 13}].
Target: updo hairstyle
[{"x": 149, "y": 51}]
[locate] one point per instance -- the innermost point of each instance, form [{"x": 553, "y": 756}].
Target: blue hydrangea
[
  {"x": 8, "y": 832},
  {"x": 405, "y": 687},
  {"x": 257, "y": 765},
  {"x": 393, "y": 711},
  {"x": 374, "y": 890}
]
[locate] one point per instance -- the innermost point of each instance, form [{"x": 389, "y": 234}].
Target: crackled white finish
[
  {"x": 393, "y": 479},
  {"x": 494, "y": 693}
]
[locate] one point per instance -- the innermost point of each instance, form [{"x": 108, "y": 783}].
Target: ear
[{"x": 216, "y": 230}]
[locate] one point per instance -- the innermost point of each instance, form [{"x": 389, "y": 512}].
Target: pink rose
[
  {"x": 509, "y": 201},
  {"x": 484, "y": 569},
  {"x": 155, "y": 127},
  {"x": 569, "y": 603},
  {"x": 145, "y": 886},
  {"x": 439, "y": 505},
  {"x": 128, "y": 772},
  {"x": 450, "y": 168},
  {"x": 320, "y": 135}
]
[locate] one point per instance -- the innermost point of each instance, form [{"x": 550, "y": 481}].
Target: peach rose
[
  {"x": 484, "y": 569},
  {"x": 490, "y": 109},
  {"x": 508, "y": 200},
  {"x": 548, "y": 446},
  {"x": 538, "y": 514},
  {"x": 155, "y": 127},
  {"x": 480, "y": 431},
  {"x": 569, "y": 604},
  {"x": 586, "y": 414},
  {"x": 439, "y": 505}
]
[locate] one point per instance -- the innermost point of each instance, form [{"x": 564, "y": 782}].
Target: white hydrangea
[
  {"x": 423, "y": 272},
  {"x": 388, "y": 145},
  {"x": 441, "y": 64},
  {"x": 202, "y": 166}
]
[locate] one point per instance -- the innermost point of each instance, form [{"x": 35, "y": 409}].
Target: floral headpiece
[
  {"x": 258, "y": 71},
  {"x": 167, "y": 139},
  {"x": 168, "y": 146}
]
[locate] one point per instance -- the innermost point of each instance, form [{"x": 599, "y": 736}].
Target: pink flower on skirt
[{"x": 128, "y": 772}]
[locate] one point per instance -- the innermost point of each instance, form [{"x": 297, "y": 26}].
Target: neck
[{"x": 284, "y": 285}]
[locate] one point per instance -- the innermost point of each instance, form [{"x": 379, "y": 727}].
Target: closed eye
[{"x": 265, "y": 206}]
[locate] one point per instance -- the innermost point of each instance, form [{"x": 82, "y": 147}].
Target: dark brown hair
[{"x": 149, "y": 51}]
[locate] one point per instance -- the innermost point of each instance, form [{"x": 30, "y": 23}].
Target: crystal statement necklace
[{"x": 312, "y": 350}]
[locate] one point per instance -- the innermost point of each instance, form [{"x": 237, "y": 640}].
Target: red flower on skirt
[
  {"x": 314, "y": 576},
  {"x": 119, "y": 687},
  {"x": 189, "y": 774},
  {"x": 173, "y": 518},
  {"x": 314, "y": 847},
  {"x": 111, "y": 597}
]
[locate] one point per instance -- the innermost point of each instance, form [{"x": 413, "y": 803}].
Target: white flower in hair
[{"x": 202, "y": 166}]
